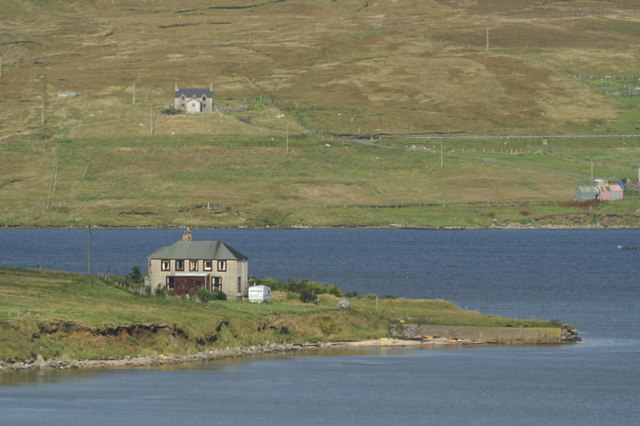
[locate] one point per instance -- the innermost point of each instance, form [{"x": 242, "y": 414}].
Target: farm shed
[
  {"x": 586, "y": 193},
  {"x": 611, "y": 192}
]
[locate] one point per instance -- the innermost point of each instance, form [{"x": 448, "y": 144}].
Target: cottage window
[
  {"x": 216, "y": 284},
  {"x": 208, "y": 265},
  {"x": 165, "y": 265},
  {"x": 193, "y": 265},
  {"x": 169, "y": 283},
  {"x": 180, "y": 265},
  {"x": 222, "y": 265}
]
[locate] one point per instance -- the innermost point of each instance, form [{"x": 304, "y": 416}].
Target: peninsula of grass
[{"x": 64, "y": 315}]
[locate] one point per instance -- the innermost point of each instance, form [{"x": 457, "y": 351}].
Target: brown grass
[{"x": 389, "y": 67}]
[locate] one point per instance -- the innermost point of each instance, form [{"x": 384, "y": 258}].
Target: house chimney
[
  {"x": 187, "y": 234},
  {"x": 176, "y": 86}
]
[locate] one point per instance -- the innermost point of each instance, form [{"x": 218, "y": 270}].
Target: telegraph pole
[
  {"x": 487, "y": 37},
  {"x": 89, "y": 250},
  {"x": 44, "y": 99},
  {"x": 286, "y": 139},
  {"x": 42, "y": 113}
]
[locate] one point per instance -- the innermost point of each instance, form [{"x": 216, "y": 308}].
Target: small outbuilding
[
  {"x": 587, "y": 193},
  {"x": 612, "y": 192},
  {"x": 259, "y": 294}
]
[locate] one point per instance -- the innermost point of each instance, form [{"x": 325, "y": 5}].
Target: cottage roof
[
  {"x": 194, "y": 93},
  {"x": 198, "y": 250}
]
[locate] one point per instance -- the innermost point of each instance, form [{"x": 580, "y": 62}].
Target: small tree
[{"x": 135, "y": 275}]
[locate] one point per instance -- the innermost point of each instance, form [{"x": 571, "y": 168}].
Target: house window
[
  {"x": 222, "y": 265},
  {"x": 180, "y": 265},
  {"x": 208, "y": 265},
  {"x": 165, "y": 265},
  {"x": 216, "y": 283},
  {"x": 239, "y": 285},
  {"x": 193, "y": 265},
  {"x": 169, "y": 283}
]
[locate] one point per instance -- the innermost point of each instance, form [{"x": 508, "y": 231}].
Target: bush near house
[{"x": 307, "y": 289}]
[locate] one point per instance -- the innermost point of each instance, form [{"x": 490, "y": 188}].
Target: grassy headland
[
  {"x": 314, "y": 75},
  {"x": 64, "y": 315}
]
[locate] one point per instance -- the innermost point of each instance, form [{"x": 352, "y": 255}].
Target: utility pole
[
  {"x": 42, "y": 113},
  {"x": 133, "y": 101},
  {"x": 151, "y": 120},
  {"x": 286, "y": 139},
  {"x": 487, "y": 37},
  {"x": 592, "y": 169},
  {"x": 89, "y": 250},
  {"x": 44, "y": 99},
  {"x": 441, "y": 157}
]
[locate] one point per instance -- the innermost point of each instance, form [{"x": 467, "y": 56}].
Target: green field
[
  {"x": 58, "y": 315},
  {"x": 317, "y": 79},
  {"x": 213, "y": 181}
]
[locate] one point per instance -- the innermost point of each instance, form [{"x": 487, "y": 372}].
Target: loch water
[{"x": 576, "y": 276}]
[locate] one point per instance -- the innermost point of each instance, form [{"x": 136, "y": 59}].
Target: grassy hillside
[
  {"x": 234, "y": 181},
  {"x": 349, "y": 66},
  {"x": 310, "y": 74},
  {"x": 57, "y": 314}
]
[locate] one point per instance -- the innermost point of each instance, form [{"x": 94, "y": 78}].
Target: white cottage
[{"x": 193, "y": 101}]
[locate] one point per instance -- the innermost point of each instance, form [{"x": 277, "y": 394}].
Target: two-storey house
[{"x": 209, "y": 265}]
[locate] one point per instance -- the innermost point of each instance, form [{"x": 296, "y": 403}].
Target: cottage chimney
[
  {"x": 176, "y": 87},
  {"x": 187, "y": 234}
]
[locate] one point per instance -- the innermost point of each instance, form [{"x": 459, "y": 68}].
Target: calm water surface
[{"x": 577, "y": 276}]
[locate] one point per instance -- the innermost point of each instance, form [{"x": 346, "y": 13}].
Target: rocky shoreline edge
[{"x": 39, "y": 363}]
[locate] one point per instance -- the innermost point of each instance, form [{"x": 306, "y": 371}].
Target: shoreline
[
  {"x": 344, "y": 227},
  {"x": 40, "y": 364}
]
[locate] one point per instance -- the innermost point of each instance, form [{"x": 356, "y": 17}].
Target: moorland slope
[{"x": 297, "y": 83}]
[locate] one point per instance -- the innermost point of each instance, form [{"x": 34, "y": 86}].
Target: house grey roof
[
  {"x": 199, "y": 250},
  {"x": 193, "y": 93}
]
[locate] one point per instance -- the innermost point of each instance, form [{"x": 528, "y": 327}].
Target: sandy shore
[
  {"x": 40, "y": 363},
  {"x": 399, "y": 343}
]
